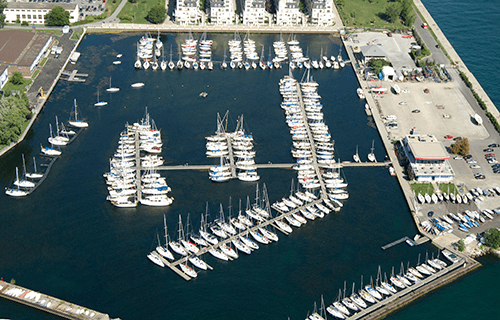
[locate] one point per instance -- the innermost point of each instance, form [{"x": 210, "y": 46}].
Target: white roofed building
[
  {"x": 321, "y": 12},
  {"x": 288, "y": 13},
  {"x": 427, "y": 157},
  {"x": 254, "y": 12},
  {"x": 187, "y": 12},
  {"x": 222, "y": 12}
]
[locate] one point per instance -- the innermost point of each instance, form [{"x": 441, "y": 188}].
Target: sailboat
[
  {"x": 77, "y": 123},
  {"x": 176, "y": 246},
  {"x": 58, "y": 140},
  {"x": 137, "y": 63},
  {"x": 99, "y": 103},
  {"x": 33, "y": 175},
  {"x": 163, "y": 251},
  {"x": 50, "y": 151},
  {"x": 155, "y": 259},
  {"x": 191, "y": 247},
  {"x": 171, "y": 64},
  {"x": 188, "y": 270},
  {"x": 16, "y": 192},
  {"x": 23, "y": 183},
  {"x": 371, "y": 155},
  {"x": 112, "y": 89},
  {"x": 355, "y": 157}
]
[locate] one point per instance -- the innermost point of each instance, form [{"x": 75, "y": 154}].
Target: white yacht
[
  {"x": 188, "y": 270},
  {"x": 155, "y": 259}
]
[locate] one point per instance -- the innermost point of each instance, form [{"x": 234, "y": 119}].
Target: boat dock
[
  {"x": 417, "y": 242},
  {"x": 48, "y": 304},
  {"x": 138, "y": 167},
  {"x": 173, "y": 265},
  {"x": 380, "y": 309},
  {"x": 73, "y": 76},
  {"x": 205, "y": 167},
  {"x": 313, "y": 146},
  {"x": 232, "y": 164}
]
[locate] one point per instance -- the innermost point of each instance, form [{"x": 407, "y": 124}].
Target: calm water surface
[{"x": 67, "y": 241}]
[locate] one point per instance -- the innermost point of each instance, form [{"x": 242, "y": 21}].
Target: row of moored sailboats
[
  {"x": 345, "y": 306},
  {"x": 124, "y": 171},
  {"x": 242, "y": 152},
  {"x": 63, "y": 136}
]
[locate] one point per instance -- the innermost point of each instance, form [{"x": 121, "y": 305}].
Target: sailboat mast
[{"x": 166, "y": 233}]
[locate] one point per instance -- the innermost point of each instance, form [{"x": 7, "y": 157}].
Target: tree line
[{"x": 401, "y": 9}]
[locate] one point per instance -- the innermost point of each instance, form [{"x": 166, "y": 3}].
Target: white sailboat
[
  {"x": 176, "y": 246},
  {"x": 76, "y": 122},
  {"x": 99, "y": 103},
  {"x": 23, "y": 183},
  {"x": 16, "y": 192},
  {"x": 163, "y": 251},
  {"x": 155, "y": 259},
  {"x": 112, "y": 89},
  {"x": 188, "y": 270},
  {"x": 355, "y": 157},
  {"x": 371, "y": 155},
  {"x": 35, "y": 174},
  {"x": 50, "y": 151}
]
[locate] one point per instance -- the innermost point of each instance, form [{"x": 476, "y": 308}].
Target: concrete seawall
[{"x": 456, "y": 58}]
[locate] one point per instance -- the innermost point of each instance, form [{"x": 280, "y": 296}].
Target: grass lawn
[
  {"x": 422, "y": 188},
  {"x": 367, "y": 13},
  {"x": 141, "y": 9},
  {"x": 44, "y": 60},
  {"x": 19, "y": 87},
  {"x": 35, "y": 74},
  {"x": 111, "y": 6},
  {"x": 448, "y": 188}
]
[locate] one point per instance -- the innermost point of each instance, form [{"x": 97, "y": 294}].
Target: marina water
[{"x": 66, "y": 240}]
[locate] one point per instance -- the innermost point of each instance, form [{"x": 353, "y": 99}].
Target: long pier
[
  {"x": 138, "y": 166},
  {"x": 311, "y": 141},
  {"x": 380, "y": 309},
  {"x": 48, "y": 303},
  {"x": 173, "y": 265},
  {"x": 72, "y": 76},
  {"x": 204, "y": 167},
  {"x": 232, "y": 165}
]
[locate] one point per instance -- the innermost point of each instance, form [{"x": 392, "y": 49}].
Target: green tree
[
  {"x": 461, "y": 147},
  {"x": 157, "y": 14},
  {"x": 16, "y": 78},
  {"x": 340, "y": 3},
  {"x": 407, "y": 13},
  {"x": 492, "y": 238},
  {"x": 461, "y": 245},
  {"x": 392, "y": 12},
  {"x": 57, "y": 17},
  {"x": 378, "y": 64},
  {"x": 3, "y": 5}
]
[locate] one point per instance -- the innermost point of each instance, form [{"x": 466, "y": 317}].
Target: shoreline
[{"x": 41, "y": 103}]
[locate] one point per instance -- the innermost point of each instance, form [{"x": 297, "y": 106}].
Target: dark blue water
[{"x": 66, "y": 240}]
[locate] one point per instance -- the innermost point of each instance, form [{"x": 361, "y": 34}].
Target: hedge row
[
  {"x": 493, "y": 120},
  {"x": 464, "y": 77}
]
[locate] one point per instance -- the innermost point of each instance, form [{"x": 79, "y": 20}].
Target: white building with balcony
[
  {"x": 321, "y": 12},
  {"x": 288, "y": 13},
  {"x": 427, "y": 158},
  {"x": 187, "y": 12},
  {"x": 222, "y": 12},
  {"x": 254, "y": 12}
]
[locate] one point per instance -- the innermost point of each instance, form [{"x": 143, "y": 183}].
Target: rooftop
[
  {"x": 13, "y": 43},
  {"x": 374, "y": 51},
  {"x": 40, "y": 5},
  {"x": 426, "y": 147}
]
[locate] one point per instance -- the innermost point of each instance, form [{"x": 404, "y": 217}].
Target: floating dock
[
  {"x": 73, "y": 76},
  {"x": 49, "y": 304}
]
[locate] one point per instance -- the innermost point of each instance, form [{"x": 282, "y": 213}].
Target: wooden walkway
[{"x": 48, "y": 304}]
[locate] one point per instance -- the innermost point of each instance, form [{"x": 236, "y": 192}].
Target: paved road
[{"x": 51, "y": 68}]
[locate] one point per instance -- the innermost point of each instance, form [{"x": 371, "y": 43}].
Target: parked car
[
  {"x": 493, "y": 145},
  {"x": 448, "y": 137},
  {"x": 488, "y": 150},
  {"x": 475, "y": 166},
  {"x": 415, "y": 111},
  {"x": 471, "y": 161},
  {"x": 457, "y": 157},
  {"x": 467, "y": 157},
  {"x": 489, "y": 155},
  {"x": 457, "y": 138}
]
